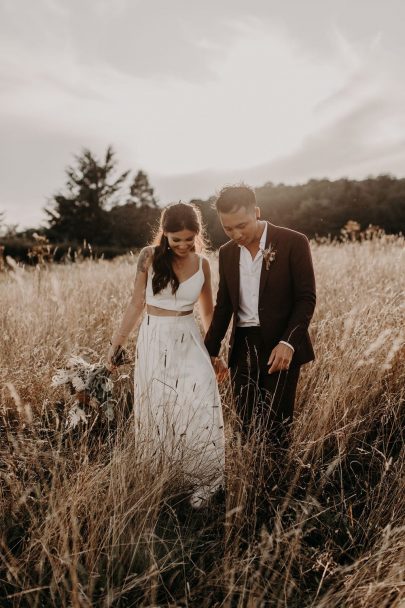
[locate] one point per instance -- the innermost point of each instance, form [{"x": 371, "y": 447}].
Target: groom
[{"x": 267, "y": 284}]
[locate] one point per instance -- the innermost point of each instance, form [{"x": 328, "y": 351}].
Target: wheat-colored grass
[{"x": 87, "y": 521}]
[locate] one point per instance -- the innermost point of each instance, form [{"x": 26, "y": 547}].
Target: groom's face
[{"x": 241, "y": 224}]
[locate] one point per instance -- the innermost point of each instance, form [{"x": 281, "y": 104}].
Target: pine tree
[
  {"x": 141, "y": 192},
  {"x": 81, "y": 211}
]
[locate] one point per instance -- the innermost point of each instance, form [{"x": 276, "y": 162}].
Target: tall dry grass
[{"x": 86, "y": 520}]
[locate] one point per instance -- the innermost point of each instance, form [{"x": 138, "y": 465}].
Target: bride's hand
[
  {"x": 116, "y": 356},
  {"x": 109, "y": 365}
]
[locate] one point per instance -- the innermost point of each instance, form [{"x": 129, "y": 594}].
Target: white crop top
[{"x": 184, "y": 298}]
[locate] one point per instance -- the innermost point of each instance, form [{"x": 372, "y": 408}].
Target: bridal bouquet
[{"x": 90, "y": 384}]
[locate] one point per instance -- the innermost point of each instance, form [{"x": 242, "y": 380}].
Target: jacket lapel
[{"x": 264, "y": 275}]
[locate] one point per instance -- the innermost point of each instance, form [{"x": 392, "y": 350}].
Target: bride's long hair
[{"x": 174, "y": 218}]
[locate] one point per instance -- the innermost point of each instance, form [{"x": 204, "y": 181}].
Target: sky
[{"x": 198, "y": 94}]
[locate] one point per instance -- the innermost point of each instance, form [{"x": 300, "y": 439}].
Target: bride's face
[{"x": 181, "y": 242}]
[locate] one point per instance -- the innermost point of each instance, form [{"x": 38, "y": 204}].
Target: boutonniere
[{"x": 269, "y": 255}]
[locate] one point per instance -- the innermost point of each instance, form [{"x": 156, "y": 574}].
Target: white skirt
[{"x": 177, "y": 405}]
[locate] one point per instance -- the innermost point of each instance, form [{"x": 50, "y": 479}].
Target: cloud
[
  {"x": 32, "y": 166},
  {"x": 349, "y": 147},
  {"x": 197, "y": 94},
  {"x": 258, "y": 105}
]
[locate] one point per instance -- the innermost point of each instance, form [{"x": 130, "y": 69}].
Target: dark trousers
[{"x": 261, "y": 398}]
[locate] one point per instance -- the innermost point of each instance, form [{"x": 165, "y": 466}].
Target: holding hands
[
  {"x": 220, "y": 368},
  {"x": 279, "y": 360}
]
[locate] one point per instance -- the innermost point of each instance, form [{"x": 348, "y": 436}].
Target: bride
[{"x": 176, "y": 403}]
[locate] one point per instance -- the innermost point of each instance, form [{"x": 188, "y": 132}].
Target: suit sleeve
[
  {"x": 304, "y": 292},
  {"x": 222, "y": 314}
]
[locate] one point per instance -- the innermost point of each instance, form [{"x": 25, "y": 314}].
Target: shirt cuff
[{"x": 287, "y": 344}]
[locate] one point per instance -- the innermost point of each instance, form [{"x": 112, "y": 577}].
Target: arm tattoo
[{"x": 142, "y": 265}]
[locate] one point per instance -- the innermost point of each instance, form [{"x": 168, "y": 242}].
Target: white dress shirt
[{"x": 249, "y": 272}]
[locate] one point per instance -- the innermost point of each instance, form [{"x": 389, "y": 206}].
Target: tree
[
  {"x": 141, "y": 192},
  {"x": 10, "y": 231},
  {"x": 81, "y": 212},
  {"x": 132, "y": 226}
]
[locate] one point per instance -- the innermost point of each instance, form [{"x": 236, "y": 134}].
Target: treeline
[
  {"x": 323, "y": 206},
  {"x": 115, "y": 213}
]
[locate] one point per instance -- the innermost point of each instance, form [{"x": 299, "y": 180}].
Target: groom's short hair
[{"x": 232, "y": 198}]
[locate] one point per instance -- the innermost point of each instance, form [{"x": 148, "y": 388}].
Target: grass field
[{"x": 85, "y": 521}]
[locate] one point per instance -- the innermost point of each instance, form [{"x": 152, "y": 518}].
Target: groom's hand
[{"x": 280, "y": 358}]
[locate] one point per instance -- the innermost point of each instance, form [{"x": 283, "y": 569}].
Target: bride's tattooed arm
[
  {"x": 144, "y": 259},
  {"x": 135, "y": 306}
]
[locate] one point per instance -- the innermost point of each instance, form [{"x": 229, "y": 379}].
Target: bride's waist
[{"x": 163, "y": 312}]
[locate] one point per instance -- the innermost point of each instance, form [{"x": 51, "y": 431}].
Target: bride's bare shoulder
[
  {"x": 205, "y": 264},
  {"x": 145, "y": 259}
]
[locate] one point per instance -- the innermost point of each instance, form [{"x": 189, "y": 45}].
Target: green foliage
[
  {"x": 215, "y": 234},
  {"x": 19, "y": 249},
  {"x": 132, "y": 226},
  {"x": 141, "y": 192},
  {"x": 323, "y": 206},
  {"x": 16, "y": 247},
  {"x": 91, "y": 209},
  {"x": 81, "y": 212}
]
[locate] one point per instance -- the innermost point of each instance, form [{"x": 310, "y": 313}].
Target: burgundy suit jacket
[{"x": 287, "y": 296}]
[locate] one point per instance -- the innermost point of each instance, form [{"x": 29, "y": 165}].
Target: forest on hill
[{"x": 114, "y": 213}]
